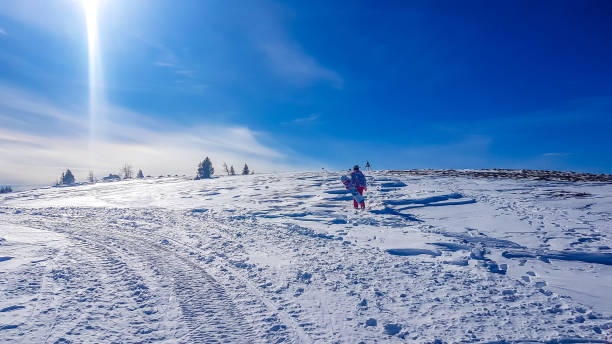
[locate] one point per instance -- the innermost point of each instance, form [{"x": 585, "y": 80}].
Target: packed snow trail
[
  {"x": 284, "y": 258},
  {"x": 109, "y": 284}
]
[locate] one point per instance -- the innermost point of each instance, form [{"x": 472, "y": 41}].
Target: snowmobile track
[
  {"x": 208, "y": 313},
  {"x": 144, "y": 264},
  {"x": 252, "y": 290}
]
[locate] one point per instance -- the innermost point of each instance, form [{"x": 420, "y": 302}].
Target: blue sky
[{"x": 307, "y": 84}]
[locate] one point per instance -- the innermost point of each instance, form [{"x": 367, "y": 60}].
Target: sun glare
[
  {"x": 95, "y": 73},
  {"x": 91, "y": 17}
]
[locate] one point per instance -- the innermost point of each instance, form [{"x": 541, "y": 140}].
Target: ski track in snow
[{"x": 284, "y": 258}]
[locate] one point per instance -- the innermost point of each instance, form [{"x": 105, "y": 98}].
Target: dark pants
[{"x": 360, "y": 190}]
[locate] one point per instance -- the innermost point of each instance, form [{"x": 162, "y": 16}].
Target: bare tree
[
  {"x": 226, "y": 169},
  {"x": 127, "y": 171},
  {"x": 232, "y": 172}
]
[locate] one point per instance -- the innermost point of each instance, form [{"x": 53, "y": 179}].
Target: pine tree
[
  {"x": 232, "y": 172},
  {"x": 245, "y": 170},
  {"x": 91, "y": 177},
  {"x": 205, "y": 169},
  {"x": 67, "y": 178},
  {"x": 140, "y": 175},
  {"x": 5, "y": 189}
]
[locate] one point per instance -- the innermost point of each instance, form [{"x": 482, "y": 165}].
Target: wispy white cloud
[
  {"x": 38, "y": 152},
  {"x": 20, "y": 100},
  {"x": 285, "y": 56},
  {"x": 22, "y": 110},
  {"x": 164, "y": 64},
  {"x": 3, "y": 32},
  {"x": 308, "y": 119},
  {"x": 288, "y": 60},
  {"x": 60, "y": 16},
  {"x": 186, "y": 72},
  {"x": 555, "y": 155}
]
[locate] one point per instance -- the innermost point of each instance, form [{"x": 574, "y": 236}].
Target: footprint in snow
[
  {"x": 10, "y": 308},
  {"x": 371, "y": 322},
  {"x": 392, "y": 329}
]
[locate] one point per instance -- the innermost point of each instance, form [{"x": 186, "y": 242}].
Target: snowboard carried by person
[{"x": 356, "y": 184}]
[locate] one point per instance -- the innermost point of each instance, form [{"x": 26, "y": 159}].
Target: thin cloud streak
[
  {"x": 164, "y": 64},
  {"x": 287, "y": 60},
  {"x": 285, "y": 56},
  {"x": 185, "y": 72},
  {"x": 59, "y": 16},
  {"x": 308, "y": 119},
  {"x": 555, "y": 155},
  {"x": 18, "y": 105}
]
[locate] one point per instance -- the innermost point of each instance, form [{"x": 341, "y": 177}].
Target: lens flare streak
[{"x": 95, "y": 74}]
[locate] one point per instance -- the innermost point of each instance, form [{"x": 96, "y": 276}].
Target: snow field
[{"x": 285, "y": 258}]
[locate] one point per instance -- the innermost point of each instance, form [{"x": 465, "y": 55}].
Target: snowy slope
[{"x": 285, "y": 258}]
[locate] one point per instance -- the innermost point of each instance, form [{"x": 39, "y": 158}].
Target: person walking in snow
[{"x": 358, "y": 180}]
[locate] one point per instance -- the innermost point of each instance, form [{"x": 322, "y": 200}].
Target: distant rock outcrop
[{"x": 512, "y": 174}]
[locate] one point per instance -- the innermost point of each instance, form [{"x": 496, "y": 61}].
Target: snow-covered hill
[{"x": 284, "y": 258}]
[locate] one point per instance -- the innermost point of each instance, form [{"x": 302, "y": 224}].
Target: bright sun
[{"x": 90, "y": 7}]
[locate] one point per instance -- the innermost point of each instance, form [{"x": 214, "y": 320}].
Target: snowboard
[{"x": 347, "y": 182}]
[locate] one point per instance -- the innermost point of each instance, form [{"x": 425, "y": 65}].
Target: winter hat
[{"x": 356, "y": 167}]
